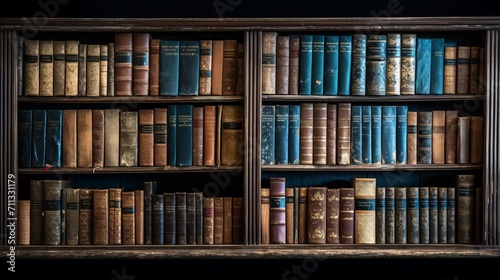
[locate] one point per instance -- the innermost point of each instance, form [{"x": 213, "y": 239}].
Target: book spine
[
  {"x": 240, "y": 69},
  {"x": 401, "y": 215},
  {"x": 289, "y": 207},
  {"x": 390, "y": 215},
  {"x": 306, "y": 133},
  {"x": 115, "y": 215},
  {"x": 347, "y": 208},
  {"x": 318, "y": 65},
  {"x": 140, "y": 63},
  {"x": 172, "y": 134},
  {"x": 376, "y": 138},
  {"x": 402, "y": 134},
  {"x": 269, "y": 48},
  {"x": 366, "y": 134},
  {"x": 277, "y": 204},
  {"x": 53, "y": 138},
  {"x": 93, "y": 69},
  {"x": 101, "y": 217},
  {"x": 281, "y": 134},
  {"x": 442, "y": 215},
  {"x": 82, "y": 70},
  {"x": 146, "y": 137},
  {"x": 198, "y": 196},
  {"x": 268, "y": 127},
  {"x": 218, "y": 220},
  {"x": 358, "y": 64},
  {"x": 198, "y": 121},
  {"x": 46, "y": 66},
  {"x": 184, "y": 146},
  {"x": 294, "y": 65},
  {"x": 393, "y": 70},
  {"x": 463, "y": 69},
  {"x": 474, "y": 70},
  {"x": 433, "y": 215},
  {"x": 331, "y": 67},
  {"x": 229, "y": 67},
  {"x": 343, "y": 133},
  {"x": 208, "y": 220},
  {"x": 412, "y": 133},
  {"x": 209, "y": 132},
  {"x": 31, "y": 68},
  {"x": 24, "y": 137},
  {"x": 123, "y": 64},
  {"x": 205, "y": 67},
  {"x": 306, "y": 61},
  {"x": 237, "y": 223},
  {"x": 423, "y": 199},
  {"x": 181, "y": 218},
  {"x": 231, "y": 123},
  {"x": 84, "y": 137},
  {"x": 154, "y": 67},
  {"x": 128, "y": 138},
  {"x": 413, "y": 219},
  {"x": 86, "y": 218},
  {"x": 408, "y": 54},
  {"x": 69, "y": 138},
  {"x": 364, "y": 210},
  {"x": 217, "y": 61},
  {"x": 450, "y": 67},
  {"x": 158, "y": 222},
  {"x": 438, "y": 136},
  {"x": 294, "y": 134},
  {"x": 111, "y": 70},
  {"x": 189, "y": 67},
  {"x": 139, "y": 217},
  {"x": 303, "y": 193},
  {"x": 316, "y": 215},
  {"x": 98, "y": 137},
  {"x": 169, "y": 218},
  {"x": 333, "y": 216},
  {"x": 356, "y": 135},
  {"x": 227, "y": 220},
  {"x": 380, "y": 215},
  {"x": 389, "y": 127},
  {"x": 149, "y": 190},
  {"x": 331, "y": 134},
  {"x": 451, "y": 136},
  {"x": 465, "y": 208},
  {"x": 265, "y": 215},
  {"x": 160, "y": 136},
  {"x": 36, "y": 212},
  {"x": 39, "y": 132},
  {"x": 128, "y": 218},
  {"x": 59, "y": 74},
  {"x": 463, "y": 139},
  {"x": 71, "y": 67},
  {"x": 23, "y": 217},
  {"x": 423, "y": 64},
  {"x": 20, "y": 64},
  {"x": 476, "y": 139},
  {"x": 169, "y": 67},
  {"x": 451, "y": 222},
  {"x": 424, "y": 138},
  {"x": 190, "y": 218},
  {"x": 376, "y": 61},
  {"x": 345, "y": 61},
  {"x": 320, "y": 116},
  {"x": 103, "y": 70},
  {"x": 111, "y": 137},
  {"x": 437, "y": 66}
]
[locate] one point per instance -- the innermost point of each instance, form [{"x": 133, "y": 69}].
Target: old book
[
  {"x": 139, "y": 217},
  {"x": 238, "y": 216},
  {"x": 158, "y": 223},
  {"x": 293, "y": 75},
  {"x": 476, "y": 139},
  {"x": 71, "y": 68},
  {"x": 366, "y": 135},
  {"x": 103, "y": 73},
  {"x": 451, "y": 221},
  {"x": 358, "y": 64},
  {"x": 364, "y": 211},
  {"x": 433, "y": 215},
  {"x": 269, "y": 49},
  {"x": 169, "y": 218},
  {"x": 160, "y": 136},
  {"x": 154, "y": 66},
  {"x": 46, "y": 66},
  {"x": 84, "y": 138},
  {"x": 198, "y": 126},
  {"x": 401, "y": 215},
  {"x": 184, "y": 135},
  {"x": 380, "y": 213},
  {"x": 111, "y": 137},
  {"x": 227, "y": 220},
  {"x": 423, "y": 199},
  {"x": 169, "y": 67},
  {"x": 59, "y": 73},
  {"x": 123, "y": 63},
  {"x": 306, "y": 133},
  {"x": 438, "y": 136},
  {"x": 218, "y": 220},
  {"x": 393, "y": 71},
  {"x": 217, "y": 62},
  {"x": 229, "y": 67},
  {"x": 149, "y": 190},
  {"x": 390, "y": 215},
  {"x": 265, "y": 213},
  {"x": 343, "y": 133},
  {"x": 93, "y": 69},
  {"x": 442, "y": 215},
  {"x": 318, "y": 65},
  {"x": 423, "y": 66},
  {"x": 53, "y": 138},
  {"x": 24, "y": 137},
  {"x": 331, "y": 67},
  {"x": 128, "y": 138},
  {"x": 345, "y": 61},
  {"x": 281, "y": 132},
  {"x": 408, "y": 62},
  {"x": 412, "y": 137},
  {"x": 205, "y": 67},
  {"x": 72, "y": 216},
  {"x": 190, "y": 218},
  {"x": 189, "y": 67},
  {"x": 240, "y": 70},
  {"x": 98, "y": 137},
  {"x": 413, "y": 215},
  {"x": 389, "y": 137},
  {"x": 376, "y": 61},
  {"x": 463, "y": 69},
  {"x": 63, "y": 216},
  {"x": 424, "y": 137},
  {"x": 172, "y": 134},
  {"x": 209, "y": 133},
  {"x": 268, "y": 135},
  {"x": 451, "y": 118},
  {"x": 376, "y": 134},
  {"x": 319, "y": 133},
  {"x": 146, "y": 137},
  {"x": 450, "y": 67},
  {"x": 36, "y": 212},
  {"x": 181, "y": 218},
  {"x": 231, "y": 146},
  {"x": 437, "y": 66},
  {"x": 305, "y": 64},
  {"x": 277, "y": 209},
  {"x": 82, "y": 69},
  {"x": 140, "y": 63},
  {"x": 333, "y": 216},
  {"x": 20, "y": 63},
  {"x": 474, "y": 70},
  {"x": 39, "y": 138},
  {"x": 128, "y": 217},
  {"x": 111, "y": 70},
  {"x": 465, "y": 208},
  {"x": 347, "y": 215},
  {"x": 101, "y": 217},
  {"x": 198, "y": 197},
  {"x": 316, "y": 214},
  {"x": 478, "y": 215},
  {"x": 86, "y": 219},
  {"x": 115, "y": 215},
  {"x": 463, "y": 139},
  {"x": 356, "y": 135},
  {"x": 23, "y": 220},
  {"x": 208, "y": 220},
  {"x": 282, "y": 64},
  {"x": 331, "y": 134},
  {"x": 290, "y": 215},
  {"x": 31, "y": 67},
  {"x": 52, "y": 190}
]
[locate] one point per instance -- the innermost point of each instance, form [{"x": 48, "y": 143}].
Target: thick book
[
  {"x": 93, "y": 69},
  {"x": 170, "y": 218},
  {"x": 450, "y": 136},
  {"x": 265, "y": 213},
  {"x": 465, "y": 208},
  {"x": 345, "y": 60},
  {"x": 36, "y": 212},
  {"x": 306, "y": 133},
  {"x": 98, "y": 137},
  {"x": 333, "y": 216},
  {"x": 111, "y": 70},
  {"x": 229, "y": 67},
  {"x": 149, "y": 190},
  {"x": 101, "y": 217},
  {"x": 423, "y": 212},
  {"x": 115, "y": 215},
  {"x": 209, "y": 134},
  {"x": 197, "y": 144},
  {"x": 376, "y": 64},
  {"x": 208, "y": 220},
  {"x": 53, "y": 138},
  {"x": 412, "y": 137},
  {"x": 400, "y": 211},
  {"x": 423, "y": 66},
  {"x": 158, "y": 222},
  {"x": 277, "y": 210},
  {"x": 138, "y": 216},
  {"x": 366, "y": 134},
  {"x": 290, "y": 215},
  {"x": 82, "y": 69},
  {"x": 169, "y": 67},
  {"x": 442, "y": 215},
  {"x": 319, "y": 133},
  {"x": 123, "y": 63},
  {"x": 316, "y": 214},
  {"x": 413, "y": 215},
  {"x": 331, "y": 133},
  {"x": 380, "y": 214},
  {"x": 46, "y": 66},
  {"x": 331, "y": 65},
  {"x": 347, "y": 208},
  {"x": 390, "y": 215},
  {"x": 393, "y": 64},
  {"x": 205, "y": 67},
  {"x": 302, "y": 215},
  {"x": 376, "y": 138},
  {"x": 111, "y": 137},
  {"x": 408, "y": 62},
  {"x": 281, "y": 134},
  {"x": 24, "y": 137},
  {"x": 269, "y": 47},
  {"x": 318, "y": 64},
  {"x": 402, "y": 134},
  {"x": 305, "y": 64},
  {"x": 424, "y": 137},
  {"x": 69, "y": 138},
  {"x": 154, "y": 66},
  {"x": 294, "y": 134},
  {"x": 451, "y": 221},
  {"x": 231, "y": 145},
  {"x": 227, "y": 220},
  {"x": 128, "y": 138},
  {"x": 189, "y": 67},
  {"x": 160, "y": 136},
  {"x": 219, "y": 220},
  {"x": 140, "y": 63},
  {"x": 437, "y": 66},
  {"x": 84, "y": 138},
  {"x": 463, "y": 69},
  {"x": 358, "y": 64},
  {"x": 294, "y": 65},
  {"x": 146, "y": 137},
  {"x": 59, "y": 63},
  {"x": 128, "y": 217},
  {"x": 190, "y": 218},
  {"x": 31, "y": 67},
  {"x": 103, "y": 70},
  {"x": 433, "y": 215},
  {"x": 180, "y": 218},
  {"x": 356, "y": 135},
  {"x": 438, "y": 136},
  {"x": 172, "y": 134},
  {"x": 38, "y": 134},
  {"x": 52, "y": 211},
  {"x": 217, "y": 64},
  {"x": 476, "y": 139},
  {"x": 364, "y": 210},
  {"x": 450, "y": 67},
  {"x": 389, "y": 134},
  {"x": 72, "y": 216},
  {"x": 343, "y": 133},
  {"x": 463, "y": 139},
  {"x": 86, "y": 217}
]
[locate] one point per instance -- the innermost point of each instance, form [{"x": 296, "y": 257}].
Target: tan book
[
  {"x": 463, "y": 69},
  {"x": 232, "y": 139},
  {"x": 412, "y": 137},
  {"x": 154, "y": 67},
  {"x": 23, "y": 221},
  {"x": 82, "y": 70},
  {"x": 146, "y": 137},
  {"x": 101, "y": 216},
  {"x": 72, "y": 216},
  {"x": 139, "y": 217},
  {"x": 115, "y": 215},
  {"x": 316, "y": 215},
  {"x": 303, "y": 215},
  {"x": 59, "y": 68},
  {"x": 463, "y": 139},
  {"x": 218, "y": 220},
  {"x": 31, "y": 68},
  {"x": 86, "y": 221},
  {"x": 269, "y": 45},
  {"x": 103, "y": 70},
  {"x": 98, "y": 137},
  {"x": 319, "y": 133},
  {"x": 465, "y": 208},
  {"x": 217, "y": 62},
  {"x": 228, "y": 220},
  {"x": 282, "y": 64},
  {"x": 306, "y": 133},
  {"x": 451, "y": 136},
  {"x": 140, "y": 63},
  {"x": 84, "y": 138},
  {"x": 438, "y": 137},
  {"x": 123, "y": 64},
  {"x": 198, "y": 123},
  {"x": 364, "y": 212},
  {"x": 160, "y": 136},
  {"x": 128, "y": 217},
  {"x": 332, "y": 216},
  {"x": 229, "y": 67},
  {"x": 476, "y": 139},
  {"x": 69, "y": 138},
  {"x": 46, "y": 65},
  {"x": 128, "y": 138},
  {"x": 265, "y": 215},
  {"x": 111, "y": 70},
  {"x": 474, "y": 70},
  {"x": 71, "y": 86},
  {"x": 450, "y": 69},
  {"x": 344, "y": 133},
  {"x": 290, "y": 215},
  {"x": 208, "y": 220},
  {"x": 205, "y": 67},
  {"x": 111, "y": 137},
  {"x": 93, "y": 69},
  {"x": 209, "y": 133}
]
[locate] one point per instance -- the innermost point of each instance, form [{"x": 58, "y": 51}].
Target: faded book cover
[
  {"x": 333, "y": 216},
  {"x": 146, "y": 137},
  {"x": 71, "y": 84},
  {"x": 282, "y": 64},
  {"x": 59, "y": 68},
  {"x": 316, "y": 215},
  {"x": 103, "y": 70},
  {"x": 465, "y": 208},
  {"x": 82, "y": 70},
  {"x": 228, "y": 220},
  {"x": 98, "y": 137},
  {"x": 208, "y": 220},
  {"x": 451, "y": 118},
  {"x": 93, "y": 69},
  {"x": 198, "y": 126},
  {"x": 380, "y": 215},
  {"x": 111, "y": 137},
  {"x": 442, "y": 215},
  {"x": 36, "y": 212},
  {"x": 128, "y": 138},
  {"x": 31, "y": 68},
  {"x": 218, "y": 220},
  {"x": 232, "y": 141},
  {"x": 423, "y": 197},
  {"x": 84, "y": 138},
  {"x": 52, "y": 221},
  {"x": 46, "y": 66},
  {"x": 115, "y": 215},
  {"x": 401, "y": 215},
  {"x": 23, "y": 219},
  {"x": 364, "y": 211},
  {"x": 413, "y": 212},
  {"x": 72, "y": 216},
  {"x": 101, "y": 217},
  {"x": 269, "y": 47},
  {"x": 238, "y": 222},
  {"x": 86, "y": 221},
  {"x": 128, "y": 217}
]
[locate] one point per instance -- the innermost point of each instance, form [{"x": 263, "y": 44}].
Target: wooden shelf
[
  {"x": 342, "y": 168},
  {"x": 127, "y": 170},
  {"x": 371, "y": 99},
  {"x": 133, "y": 99}
]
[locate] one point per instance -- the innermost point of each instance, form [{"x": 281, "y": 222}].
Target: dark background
[{"x": 438, "y": 269}]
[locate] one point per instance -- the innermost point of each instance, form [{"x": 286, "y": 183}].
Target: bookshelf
[{"x": 251, "y": 176}]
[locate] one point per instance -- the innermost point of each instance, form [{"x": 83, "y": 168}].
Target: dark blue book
[
  {"x": 169, "y": 67},
  {"x": 402, "y": 134},
  {"x": 318, "y": 65},
  {"x": 172, "y": 134},
  {"x": 281, "y": 134},
  {"x": 423, "y": 64},
  {"x": 331, "y": 76},
  {"x": 424, "y": 137},
  {"x": 376, "y": 134},
  {"x": 437, "y": 66},
  {"x": 184, "y": 138},
  {"x": 39, "y": 132},
  {"x": 189, "y": 67},
  {"x": 388, "y": 134},
  {"x": 267, "y": 145},
  {"x": 294, "y": 134},
  {"x": 53, "y": 138},
  {"x": 376, "y": 46},
  {"x": 358, "y": 65},
  {"x": 356, "y": 135},
  {"x": 366, "y": 134},
  {"x": 345, "y": 52},
  {"x": 305, "y": 64},
  {"x": 24, "y": 139}
]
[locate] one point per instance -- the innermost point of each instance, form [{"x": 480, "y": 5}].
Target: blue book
[
  {"x": 366, "y": 134},
  {"x": 376, "y": 46},
  {"x": 24, "y": 138},
  {"x": 437, "y": 66},
  {"x": 331, "y": 76},
  {"x": 356, "y": 132},
  {"x": 318, "y": 64},
  {"x": 424, "y": 137},
  {"x": 171, "y": 134},
  {"x": 53, "y": 138},
  {"x": 281, "y": 134},
  {"x": 39, "y": 132},
  {"x": 189, "y": 67},
  {"x": 345, "y": 52},
  {"x": 423, "y": 64},
  {"x": 268, "y": 134},
  {"x": 388, "y": 134},
  {"x": 294, "y": 134},
  {"x": 376, "y": 134},
  {"x": 358, "y": 65},
  {"x": 402, "y": 134},
  {"x": 305, "y": 64},
  {"x": 184, "y": 146},
  {"x": 169, "y": 67}
]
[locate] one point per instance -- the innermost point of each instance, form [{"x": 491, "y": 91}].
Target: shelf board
[
  {"x": 282, "y": 251},
  {"x": 127, "y": 170},
  {"x": 341, "y": 168},
  {"x": 132, "y": 99},
  {"x": 372, "y": 98}
]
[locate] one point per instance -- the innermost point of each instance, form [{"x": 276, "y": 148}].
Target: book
[
  {"x": 294, "y": 65},
  {"x": 53, "y": 138},
  {"x": 63, "y": 216},
  {"x": 413, "y": 215},
  {"x": 366, "y": 134},
  {"x": 356, "y": 135},
  {"x": 305, "y": 64},
  {"x": 474, "y": 70},
  {"x": 169, "y": 67},
  {"x": 128, "y": 138},
  {"x": 463, "y": 139},
  {"x": 333, "y": 216},
  {"x": 437, "y": 66},
  {"x": 451, "y": 221},
  {"x": 347, "y": 207},
  {"x": 400, "y": 210},
  {"x": 170, "y": 218},
  {"x": 345, "y": 60},
  {"x": 197, "y": 123},
  {"x": 231, "y": 146},
  {"x": 423, "y": 66},
  {"x": 198, "y": 200},
  {"x": 294, "y": 134},
  {"x": 154, "y": 66},
  {"x": 128, "y": 217},
  {"x": 343, "y": 133},
  {"x": 281, "y": 134},
  {"x": 238, "y": 222},
  {"x": 265, "y": 212},
  {"x": 481, "y": 71},
  {"x": 46, "y": 66},
  {"x": 290, "y": 215},
  {"x": 412, "y": 137},
  {"x": 302, "y": 219},
  {"x": 376, "y": 64},
  {"x": 59, "y": 70},
  {"x": 393, "y": 64},
  {"x": 306, "y": 133},
  {"x": 208, "y": 220},
  {"x": 463, "y": 69},
  {"x": 149, "y": 190},
  {"x": 82, "y": 69},
  {"x": 24, "y": 137},
  {"x": 423, "y": 212},
  {"x": 218, "y": 220},
  {"x": 402, "y": 134},
  {"x": 424, "y": 137},
  {"x": 478, "y": 215},
  {"x": 93, "y": 69},
  {"x": 86, "y": 218},
  {"x": 139, "y": 217},
  {"x": 205, "y": 67},
  {"x": 180, "y": 218},
  {"x": 331, "y": 65},
  {"x": 160, "y": 136},
  {"x": 69, "y": 138},
  {"x": 209, "y": 134},
  {"x": 227, "y": 220},
  {"x": 465, "y": 208},
  {"x": 277, "y": 210},
  {"x": 476, "y": 139},
  {"x": 331, "y": 133},
  {"x": 433, "y": 215},
  {"x": 98, "y": 137},
  {"x": 240, "y": 68},
  {"x": 217, "y": 66},
  {"x": 364, "y": 210},
  {"x": 123, "y": 63},
  {"x": 450, "y": 67},
  {"x": 269, "y": 52},
  {"x": 190, "y": 218},
  {"x": 111, "y": 70},
  {"x": 101, "y": 217},
  {"x": 229, "y": 67},
  {"x": 158, "y": 223},
  {"x": 36, "y": 212},
  {"x": 140, "y": 63},
  {"x": 52, "y": 196},
  {"x": 442, "y": 215},
  {"x": 115, "y": 216},
  {"x": 146, "y": 137},
  {"x": 319, "y": 142},
  {"x": 438, "y": 136},
  {"x": 358, "y": 64},
  {"x": 172, "y": 134},
  {"x": 376, "y": 138},
  {"x": 318, "y": 65},
  {"x": 380, "y": 214},
  {"x": 31, "y": 67},
  {"x": 189, "y": 67},
  {"x": 84, "y": 138},
  {"x": 389, "y": 134},
  {"x": 38, "y": 134},
  {"x": 23, "y": 218},
  {"x": 103, "y": 70},
  {"x": 20, "y": 63},
  {"x": 408, "y": 62},
  {"x": 316, "y": 214},
  {"x": 282, "y": 64},
  {"x": 111, "y": 137},
  {"x": 390, "y": 215},
  {"x": 450, "y": 148}
]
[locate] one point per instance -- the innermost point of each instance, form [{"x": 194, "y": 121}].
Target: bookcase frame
[{"x": 252, "y": 29}]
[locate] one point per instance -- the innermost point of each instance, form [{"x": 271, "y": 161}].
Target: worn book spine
[
  {"x": 227, "y": 220},
  {"x": 128, "y": 138},
  {"x": 413, "y": 218},
  {"x": 160, "y": 136},
  {"x": 401, "y": 215},
  {"x": 364, "y": 210},
  {"x": 46, "y": 66},
  {"x": 198, "y": 196},
  {"x": 331, "y": 133},
  {"x": 111, "y": 70},
  {"x": 408, "y": 62},
  {"x": 158, "y": 223},
  {"x": 189, "y": 67},
  {"x": 123, "y": 63},
  {"x": 208, "y": 220},
  {"x": 442, "y": 215},
  {"x": 306, "y": 133},
  {"x": 101, "y": 217},
  {"x": 450, "y": 148},
  {"x": 356, "y": 135},
  {"x": 172, "y": 134},
  {"x": 59, "y": 73},
  {"x": 438, "y": 136},
  {"x": 437, "y": 66},
  {"x": 86, "y": 218},
  {"x": 347, "y": 208},
  {"x": 31, "y": 67},
  {"x": 229, "y": 67},
  {"x": 476, "y": 139},
  {"x": 63, "y": 216},
  {"x": 478, "y": 215},
  {"x": 184, "y": 138},
  {"x": 358, "y": 64},
  {"x": 180, "y": 218},
  {"x": 237, "y": 223},
  {"x": 24, "y": 137},
  {"x": 289, "y": 207},
  {"x": 319, "y": 143},
  {"x": 146, "y": 137},
  {"x": 265, "y": 213},
  {"x": 331, "y": 74},
  {"x": 423, "y": 66},
  {"x": 463, "y": 69},
  {"x": 98, "y": 137},
  {"x": 423, "y": 198},
  {"x": 345, "y": 60},
  {"x": 277, "y": 208},
  {"x": 190, "y": 218},
  {"x": 240, "y": 68},
  {"x": 84, "y": 138},
  {"x": 433, "y": 215},
  {"x": 366, "y": 134},
  {"x": 465, "y": 208},
  {"x": 53, "y": 138},
  {"x": 71, "y": 68},
  {"x": 82, "y": 70},
  {"x": 218, "y": 220},
  {"x": 390, "y": 215},
  {"x": 376, "y": 64},
  {"x": 318, "y": 65},
  {"x": 128, "y": 217},
  {"x": 389, "y": 137},
  {"x": 303, "y": 215},
  {"x": 169, "y": 67},
  {"x": 198, "y": 121},
  {"x": 281, "y": 134},
  {"x": 140, "y": 63},
  {"x": 217, "y": 62},
  {"x": 93, "y": 69},
  {"x": 111, "y": 137},
  {"x": 115, "y": 215},
  {"x": 343, "y": 133},
  {"x": 294, "y": 133},
  {"x": 333, "y": 216},
  {"x": 380, "y": 211},
  {"x": 103, "y": 70},
  {"x": 170, "y": 218},
  {"x": 402, "y": 134},
  {"x": 305, "y": 64},
  {"x": 139, "y": 217},
  {"x": 393, "y": 70},
  {"x": 412, "y": 137},
  {"x": 424, "y": 137},
  {"x": 316, "y": 215},
  {"x": 23, "y": 219},
  {"x": 450, "y": 67},
  {"x": 474, "y": 70},
  {"x": 20, "y": 63},
  {"x": 376, "y": 138},
  {"x": 451, "y": 222},
  {"x": 209, "y": 132},
  {"x": 39, "y": 137},
  {"x": 72, "y": 216},
  {"x": 36, "y": 212},
  {"x": 205, "y": 67},
  {"x": 269, "y": 47},
  {"x": 149, "y": 190},
  {"x": 294, "y": 56},
  {"x": 231, "y": 144},
  {"x": 463, "y": 139},
  {"x": 481, "y": 71},
  {"x": 154, "y": 67}
]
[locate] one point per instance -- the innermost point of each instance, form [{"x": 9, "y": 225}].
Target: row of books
[
  {"x": 323, "y": 133},
  {"x": 135, "y": 64},
  {"x": 369, "y": 214},
  {"x": 176, "y": 135},
  {"x": 57, "y": 214},
  {"x": 373, "y": 64}
]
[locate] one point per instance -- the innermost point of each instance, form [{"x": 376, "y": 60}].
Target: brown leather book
[
  {"x": 463, "y": 139},
  {"x": 343, "y": 133},
  {"x": 316, "y": 215},
  {"x": 474, "y": 70},
  {"x": 59, "y": 68},
  {"x": 84, "y": 138},
  {"x": 128, "y": 218},
  {"x": 69, "y": 138},
  {"x": 240, "y": 70},
  {"x": 146, "y": 137},
  {"x": 111, "y": 137},
  {"x": 412, "y": 137},
  {"x": 98, "y": 137},
  {"x": 227, "y": 220},
  {"x": 31, "y": 68},
  {"x": 463, "y": 69},
  {"x": 111, "y": 70},
  {"x": 154, "y": 67},
  {"x": 209, "y": 133},
  {"x": 101, "y": 216},
  {"x": 438, "y": 136},
  {"x": 465, "y": 208},
  {"x": 71, "y": 85},
  {"x": 86, "y": 221},
  {"x": 282, "y": 64},
  {"x": 208, "y": 220},
  {"x": 123, "y": 64},
  {"x": 218, "y": 220},
  {"x": 217, "y": 62},
  {"x": 205, "y": 67},
  {"x": 198, "y": 123},
  {"x": 269, "y": 46},
  {"x": 36, "y": 212},
  {"x": 190, "y": 218},
  {"x": 229, "y": 67},
  {"x": 306, "y": 133},
  {"x": 303, "y": 215},
  {"x": 160, "y": 136},
  {"x": 290, "y": 215},
  {"x": 319, "y": 133},
  {"x": 139, "y": 217},
  {"x": 23, "y": 220},
  {"x": 231, "y": 147},
  {"x": 476, "y": 139},
  {"x": 238, "y": 224},
  {"x": 115, "y": 215},
  {"x": 293, "y": 76},
  {"x": 140, "y": 63},
  {"x": 451, "y": 136},
  {"x": 346, "y": 215},
  {"x": 72, "y": 215},
  {"x": 333, "y": 216},
  {"x": 128, "y": 138},
  {"x": 93, "y": 69},
  {"x": 46, "y": 65},
  {"x": 380, "y": 213},
  {"x": 277, "y": 208},
  {"x": 265, "y": 211},
  {"x": 331, "y": 134},
  {"x": 82, "y": 70},
  {"x": 103, "y": 70},
  {"x": 450, "y": 69}
]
